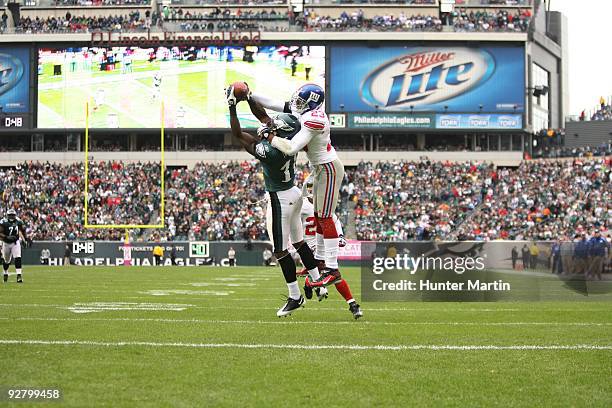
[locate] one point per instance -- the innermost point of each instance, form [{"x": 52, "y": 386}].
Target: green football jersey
[
  {"x": 11, "y": 228},
  {"x": 278, "y": 169}
]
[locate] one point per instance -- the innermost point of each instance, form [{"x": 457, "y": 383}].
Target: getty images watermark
[{"x": 473, "y": 271}]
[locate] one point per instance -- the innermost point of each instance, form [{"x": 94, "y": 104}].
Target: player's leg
[
  {"x": 6, "y": 260},
  {"x": 328, "y": 187},
  {"x": 296, "y": 234},
  {"x": 277, "y": 222},
  {"x": 320, "y": 244},
  {"x": 16, "y": 254}
]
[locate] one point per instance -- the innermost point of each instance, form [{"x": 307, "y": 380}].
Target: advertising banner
[
  {"x": 474, "y": 121},
  {"x": 438, "y": 78},
  {"x": 14, "y": 80},
  {"x": 391, "y": 120}
]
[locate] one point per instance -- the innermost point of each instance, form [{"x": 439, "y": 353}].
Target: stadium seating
[
  {"x": 63, "y": 16},
  {"x": 541, "y": 199}
]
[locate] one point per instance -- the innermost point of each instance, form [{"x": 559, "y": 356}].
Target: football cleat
[
  {"x": 355, "y": 310},
  {"x": 19, "y": 279},
  {"x": 322, "y": 293},
  {"x": 5, "y": 277},
  {"x": 328, "y": 277},
  {"x": 291, "y": 306},
  {"x": 308, "y": 290}
]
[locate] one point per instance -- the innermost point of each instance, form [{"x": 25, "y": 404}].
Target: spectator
[{"x": 231, "y": 256}]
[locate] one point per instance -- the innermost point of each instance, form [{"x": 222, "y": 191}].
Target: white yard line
[
  {"x": 299, "y": 322},
  {"x": 407, "y": 309},
  {"x": 400, "y": 347}
]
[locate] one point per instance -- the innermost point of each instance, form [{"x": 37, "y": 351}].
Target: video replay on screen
[{"x": 126, "y": 87}]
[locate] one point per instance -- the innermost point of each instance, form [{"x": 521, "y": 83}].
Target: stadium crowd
[
  {"x": 237, "y": 19},
  {"x": 49, "y": 197},
  {"x": 132, "y": 21},
  {"x": 545, "y": 200},
  {"x": 604, "y": 112},
  {"x": 355, "y": 21},
  {"x": 501, "y": 20},
  {"x": 416, "y": 200},
  {"x": 99, "y": 3},
  {"x": 541, "y": 199}
]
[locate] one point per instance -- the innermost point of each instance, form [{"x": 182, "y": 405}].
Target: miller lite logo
[
  {"x": 425, "y": 77},
  {"x": 11, "y": 71}
]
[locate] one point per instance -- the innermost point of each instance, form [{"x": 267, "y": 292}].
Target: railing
[
  {"x": 84, "y": 3},
  {"x": 244, "y": 3}
]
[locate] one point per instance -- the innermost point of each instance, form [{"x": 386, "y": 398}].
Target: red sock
[{"x": 343, "y": 288}]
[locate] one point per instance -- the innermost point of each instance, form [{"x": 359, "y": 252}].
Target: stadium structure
[{"x": 117, "y": 149}]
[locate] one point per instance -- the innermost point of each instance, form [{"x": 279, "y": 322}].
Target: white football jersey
[
  {"x": 308, "y": 222},
  {"x": 319, "y": 149}
]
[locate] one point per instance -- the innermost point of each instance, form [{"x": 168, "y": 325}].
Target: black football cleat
[
  {"x": 308, "y": 292},
  {"x": 355, "y": 310},
  {"x": 5, "y": 277},
  {"x": 291, "y": 306},
  {"x": 19, "y": 279}
]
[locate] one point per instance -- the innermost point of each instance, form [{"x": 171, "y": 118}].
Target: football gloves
[
  {"x": 342, "y": 241},
  {"x": 230, "y": 97},
  {"x": 265, "y": 130}
]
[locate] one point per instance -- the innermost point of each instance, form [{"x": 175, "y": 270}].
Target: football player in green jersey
[
  {"x": 284, "y": 198},
  {"x": 10, "y": 228}
]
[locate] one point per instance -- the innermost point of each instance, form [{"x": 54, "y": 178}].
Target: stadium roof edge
[{"x": 299, "y": 36}]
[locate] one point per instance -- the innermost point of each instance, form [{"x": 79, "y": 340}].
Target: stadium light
[{"x": 540, "y": 90}]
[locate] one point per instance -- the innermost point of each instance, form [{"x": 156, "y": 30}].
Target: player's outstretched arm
[
  {"x": 259, "y": 112},
  {"x": 297, "y": 143},
  {"x": 268, "y": 103},
  {"x": 246, "y": 140}
]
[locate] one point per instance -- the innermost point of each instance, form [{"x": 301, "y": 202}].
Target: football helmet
[
  {"x": 11, "y": 214},
  {"x": 307, "y": 97},
  {"x": 283, "y": 125}
]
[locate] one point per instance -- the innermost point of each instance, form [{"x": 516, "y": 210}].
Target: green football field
[
  {"x": 192, "y": 93},
  {"x": 208, "y": 336}
]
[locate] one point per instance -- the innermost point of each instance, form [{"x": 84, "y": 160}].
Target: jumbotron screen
[{"x": 125, "y": 87}]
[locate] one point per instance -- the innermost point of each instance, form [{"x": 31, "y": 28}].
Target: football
[{"x": 241, "y": 90}]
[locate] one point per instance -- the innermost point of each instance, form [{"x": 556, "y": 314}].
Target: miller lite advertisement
[
  {"x": 433, "y": 79},
  {"x": 14, "y": 79}
]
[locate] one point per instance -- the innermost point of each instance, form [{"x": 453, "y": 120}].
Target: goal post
[{"x": 163, "y": 167}]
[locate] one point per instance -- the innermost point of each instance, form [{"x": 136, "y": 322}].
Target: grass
[{"x": 236, "y": 307}]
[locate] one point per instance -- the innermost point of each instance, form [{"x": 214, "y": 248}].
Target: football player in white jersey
[
  {"x": 314, "y": 137},
  {"x": 308, "y": 221}
]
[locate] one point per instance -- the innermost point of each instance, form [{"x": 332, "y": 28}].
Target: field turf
[{"x": 125, "y": 337}]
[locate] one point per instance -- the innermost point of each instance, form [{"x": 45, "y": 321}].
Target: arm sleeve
[
  {"x": 293, "y": 146},
  {"x": 269, "y": 103}
]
